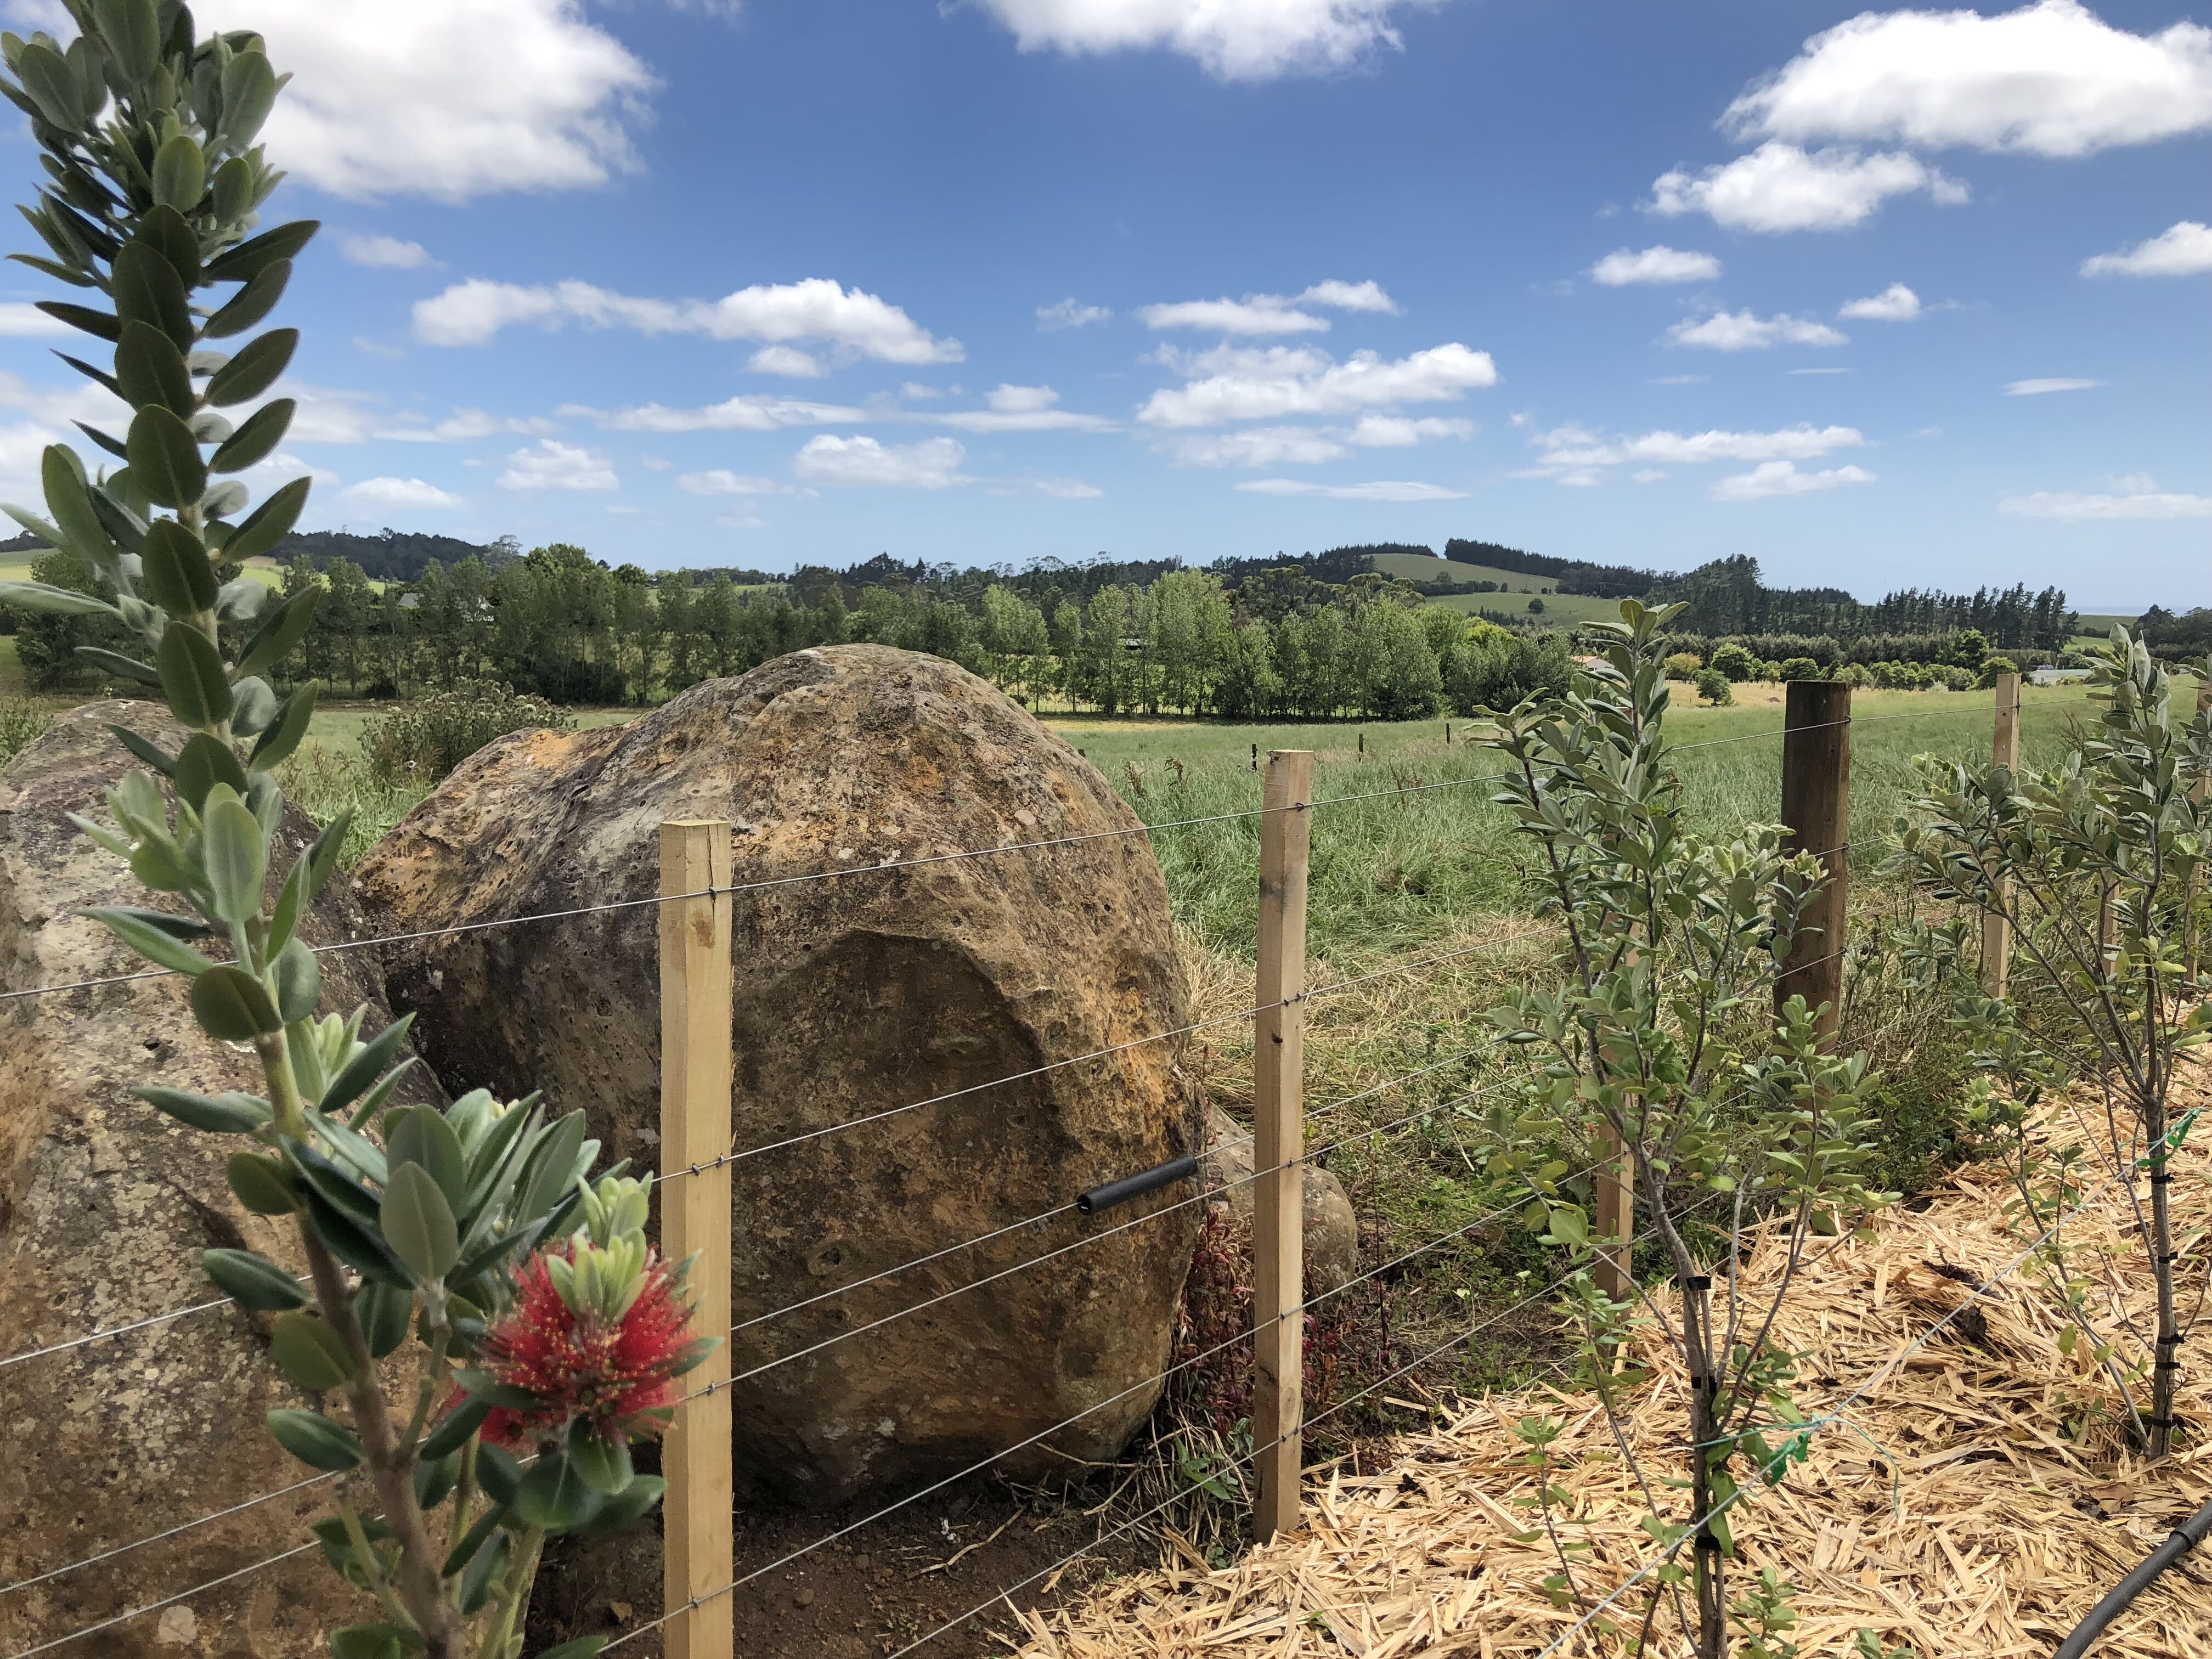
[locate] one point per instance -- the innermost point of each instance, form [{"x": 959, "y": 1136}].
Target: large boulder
[
  {"x": 105, "y": 1206},
  {"x": 1331, "y": 1228},
  {"x": 855, "y": 994}
]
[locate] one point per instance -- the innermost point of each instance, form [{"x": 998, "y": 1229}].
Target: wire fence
[{"x": 1208, "y": 1192}]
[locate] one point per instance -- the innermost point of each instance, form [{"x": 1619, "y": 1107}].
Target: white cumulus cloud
[
  {"x": 752, "y": 412},
  {"x": 723, "y": 482},
  {"x": 787, "y": 361},
  {"x": 1233, "y": 40},
  {"x": 2137, "y": 497},
  {"x": 1257, "y": 446},
  {"x": 464, "y": 424},
  {"x": 1742, "y": 330},
  {"x": 2044, "y": 387},
  {"x": 1661, "y": 264},
  {"x": 448, "y": 99},
  {"x": 1894, "y": 304},
  {"x": 1021, "y": 409},
  {"x": 854, "y": 322},
  {"x": 552, "y": 465},
  {"x": 1772, "y": 478},
  {"x": 1573, "y": 454},
  {"x": 2185, "y": 250},
  {"x": 401, "y": 492},
  {"x": 384, "y": 252},
  {"x": 21, "y": 320},
  {"x": 1069, "y": 313},
  {"x": 1401, "y": 431},
  {"x": 1382, "y": 489},
  {"x": 862, "y": 462},
  {"x": 1240, "y": 383},
  {"x": 1270, "y": 314},
  {"x": 1780, "y": 187},
  {"x": 2049, "y": 79}
]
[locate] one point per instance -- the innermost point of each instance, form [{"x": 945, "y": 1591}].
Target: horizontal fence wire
[
  {"x": 1826, "y": 1419},
  {"x": 1298, "y": 1311},
  {"x": 172, "y": 1532}
]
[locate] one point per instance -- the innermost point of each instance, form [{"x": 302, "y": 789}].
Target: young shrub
[
  {"x": 1986, "y": 676},
  {"x": 1801, "y": 668},
  {"x": 1734, "y": 661},
  {"x": 1664, "y": 1047},
  {"x": 424, "y": 741},
  {"x": 1684, "y": 665},
  {"x": 23, "y": 721},
  {"x": 2100, "y": 867},
  {"x": 544, "y": 1321},
  {"x": 1713, "y": 687}
]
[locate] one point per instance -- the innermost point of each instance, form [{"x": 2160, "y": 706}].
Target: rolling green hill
[{"x": 1413, "y": 567}]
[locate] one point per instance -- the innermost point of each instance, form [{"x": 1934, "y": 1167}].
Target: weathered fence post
[
  {"x": 1278, "y": 1122},
  {"x": 1616, "y": 1217},
  {"x": 2004, "y": 750},
  {"x": 696, "y": 1017},
  {"x": 1816, "y": 784}
]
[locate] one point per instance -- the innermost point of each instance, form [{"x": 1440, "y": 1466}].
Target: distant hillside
[{"x": 395, "y": 555}]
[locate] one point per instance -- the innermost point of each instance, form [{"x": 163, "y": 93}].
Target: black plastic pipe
[
  {"x": 1136, "y": 1186},
  {"x": 2185, "y": 1538}
]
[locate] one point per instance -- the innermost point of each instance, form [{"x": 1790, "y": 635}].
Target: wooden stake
[
  {"x": 1280, "y": 1133},
  {"x": 2004, "y": 750},
  {"x": 1616, "y": 1215},
  {"x": 1816, "y": 782},
  {"x": 697, "y": 994}
]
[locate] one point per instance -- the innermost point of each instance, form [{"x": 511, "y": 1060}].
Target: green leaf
[
  {"x": 299, "y": 974},
  {"x": 163, "y": 229},
  {"x": 98, "y": 323},
  {"x": 554, "y": 1496},
  {"x": 146, "y": 288},
  {"x": 626, "y": 1508},
  {"x": 604, "y": 1464},
  {"x": 316, "y": 1441},
  {"x": 165, "y": 458},
  {"x": 366, "y": 1642},
  {"x": 362, "y": 1069},
  {"x": 176, "y": 926},
  {"x": 419, "y": 1224},
  {"x": 451, "y": 1435},
  {"x": 177, "y": 576},
  {"x": 311, "y": 1353},
  {"x": 253, "y": 301},
  {"x": 255, "y": 439},
  {"x": 149, "y": 940},
  {"x": 280, "y": 630},
  {"x": 232, "y": 1008},
  {"x": 253, "y": 1281},
  {"x": 262, "y": 528},
  {"x": 261, "y": 1184},
  {"x": 434, "y": 1478},
  {"x": 473, "y": 1539},
  {"x": 249, "y": 90},
  {"x": 133, "y": 35},
  {"x": 46, "y": 78},
  {"x": 486, "y": 1571},
  {"x": 358, "y": 1247},
  {"x": 236, "y": 856},
  {"x": 180, "y": 173},
  {"x": 420, "y": 1135},
  {"x": 253, "y": 705},
  {"x": 284, "y": 916},
  {"x": 254, "y": 370},
  {"x": 284, "y": 735},
  {"x": 56, "y": 601},
  {"x": 483, "y": 1387},
  {"x": 204, "y": 762},
  {"x": 552, "y": 1162},
  {"x": 228, "y": 1114},
  {"x": 247, "y": 259},
  {"x": 383, "y": 1311},
  {"x": 122, "y": 667},
  {"x": 149, "y": 752},
  {"x": 68, "y": 498},
  {"x": 192, "y": 680},
  {"x": 349, "y": 1145},
  {"x": 149, "y": 370},
  {"x": 584, "y": 1647}
]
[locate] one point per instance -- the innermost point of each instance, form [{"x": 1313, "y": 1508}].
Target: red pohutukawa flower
[{"x": 614, "y": 1373}]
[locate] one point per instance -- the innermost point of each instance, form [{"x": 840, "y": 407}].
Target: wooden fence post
[
  {"x": 1616, "y": 1217},
  {"x": 696, "y": 993},
  {"x": 2004, "y": 750},
  {"x": 1279, "y": 1121},
  {"x": 1816, "y": 784}
]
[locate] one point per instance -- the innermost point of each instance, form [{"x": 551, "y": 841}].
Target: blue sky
[{"x": 1881, "y": 298}]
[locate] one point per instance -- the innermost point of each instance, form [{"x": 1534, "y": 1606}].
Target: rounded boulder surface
[
  {"x": 856, "y": 996},
  {"x": 104, "y": 1207}
]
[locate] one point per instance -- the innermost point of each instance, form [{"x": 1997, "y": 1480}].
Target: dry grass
[{"x": 1978, "y": 1499}]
